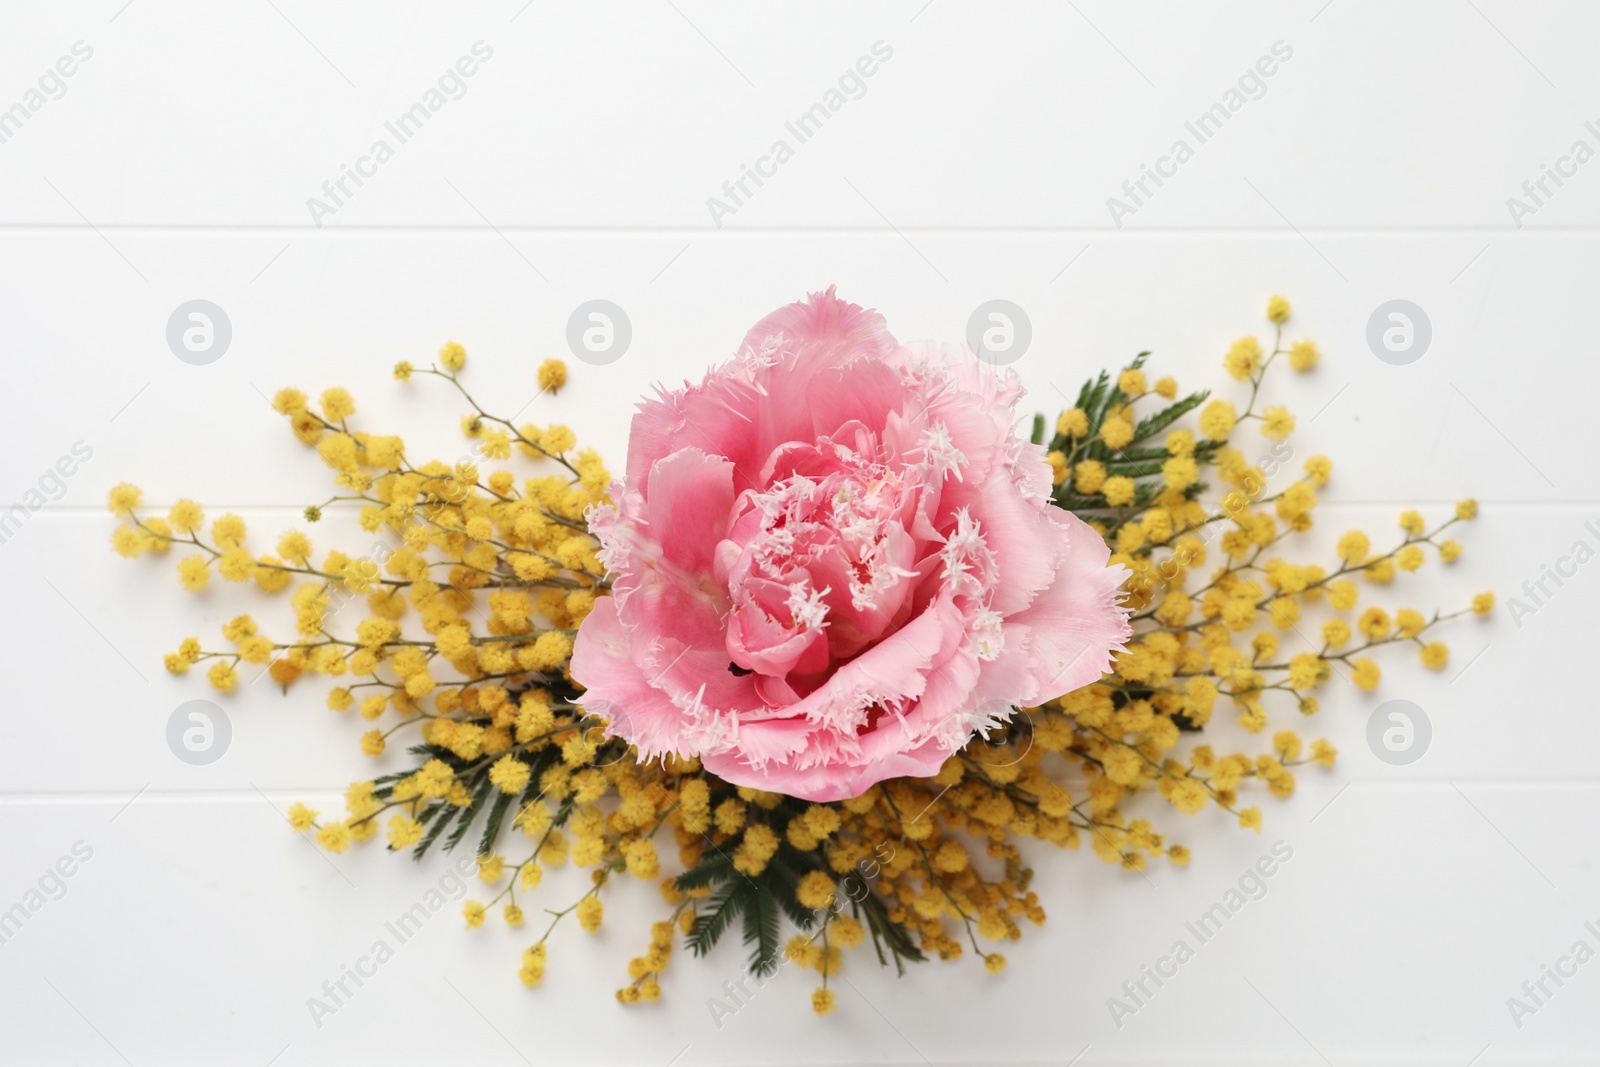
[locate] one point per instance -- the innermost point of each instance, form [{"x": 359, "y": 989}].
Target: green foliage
[
  {"x": 761, "y": 929},
  {"x": 713, "y": 920},
  {"x": 1140, "y": 459},
  {"x": 763, "y": 900},
  {"x": 886, "y": 933}
]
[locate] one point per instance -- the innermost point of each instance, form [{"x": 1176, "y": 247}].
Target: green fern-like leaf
[
  {"x": 714, "y": 868},
  {"x": 761, "y": 930},
  {"x": 782, "y": 880},
  {"x": 480, "y": 794},
  {"x": 1154, "y": 423},
  {"x": 722, "y": 907},
  {"x": 886, "y": 934},
  {"x": 437, "y": 817},
  {"x": 491, "y": 828}
]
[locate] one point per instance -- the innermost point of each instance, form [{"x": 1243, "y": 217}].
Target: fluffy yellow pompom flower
[
  {"x": 1374, "y": 623},
  {"x": 122, "y": 499},
  {"x": 186, "y": 516},
  {"x": 1243, "y": 359},
  {"x": 194, "y": 572},
  {"x": 1365, "y": 674},
  {"x": 1303, "y": 355},
  {"x": 335, "y": 837},
  {"x": 1343, "y": 594},
  {"x": 1467, "y": 510},
  {"x": 289, "y": 402},
  {"x": 222, "y": 677},
  {"x": 803, "y": 950},
  {"x": 1188, "y": 795},
  {"x": 435, "y": 778},
  {"x": 452, "y": 356},
  {"x": 472, "y": 911},
  {"x": 591, "y": 913},
  {"x": 847, "y": 931},
  {"x": 1276, "y": 423},
  {"x": 1483, "y": 603},
  {"x": 1354, "y": 547},
  {"x": 1307, "y": 670},
  {"x": 1278, "y": 310},
  {"x": 404, "y": 832},
  {"x": 510, "y": 775},
  {"x": 1336, "y": 633},
  {"x": 760, "y": 844},
  {"x": 822, "y": 1001},
  {"x": 1180, "y": 472},
  {"x": 1217, "y": 420},
  {"x": 552, "y": 375},
  {"x": 127, "y": 541},
  {"x": 337, "y": 405},
  {"x": 1409, "y": 622},
  {"x": 816, "y": 890},
  {"x": 1089, "y": 476},
  {"x": 301, "y": 817},
  {"x": 236, "y": 565},
  {"x": 1116, "y": 433},
  {"x": 228, "y": 531},
  {"x": 1074, "y": 422},
  {"x": 1435, "y": 654},
  {"x": 533, "y": 962},
  {"x": 1119, "y": 490}
]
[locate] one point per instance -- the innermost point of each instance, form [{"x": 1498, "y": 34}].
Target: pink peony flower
[{"x": 834, "y": 563}]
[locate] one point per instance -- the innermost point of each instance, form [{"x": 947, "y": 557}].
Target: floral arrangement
[{"x": 836, "y": 639}]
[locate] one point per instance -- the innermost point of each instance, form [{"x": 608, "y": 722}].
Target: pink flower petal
[
  {"x": 834, "y": 562},
  {"x": 1076, "y": 624}
]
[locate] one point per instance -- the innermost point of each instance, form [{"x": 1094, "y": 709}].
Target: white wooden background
[{"x": 977, "y": 164}]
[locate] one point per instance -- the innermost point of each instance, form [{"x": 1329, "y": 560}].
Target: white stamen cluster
[{"x": 807, "y": 607}]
